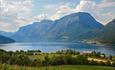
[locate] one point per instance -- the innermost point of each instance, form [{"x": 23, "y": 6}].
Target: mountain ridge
[
  {"x": 107, "y": 33},
  {"x": 4, "y": 40},
  {"x": 64, "y": 29}
]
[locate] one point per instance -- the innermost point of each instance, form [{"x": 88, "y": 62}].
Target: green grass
[{"x": 62, "y": 67}]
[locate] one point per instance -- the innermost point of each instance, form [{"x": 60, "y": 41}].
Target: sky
[{"x": 17, "y": 13}]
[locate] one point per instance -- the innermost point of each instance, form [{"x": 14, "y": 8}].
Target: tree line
[{"x": 65, "y": 57}]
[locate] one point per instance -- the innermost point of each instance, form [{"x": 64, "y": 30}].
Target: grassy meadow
[
  {"x": 60, "y": 60},
  {"x": 61, "y": 67}
]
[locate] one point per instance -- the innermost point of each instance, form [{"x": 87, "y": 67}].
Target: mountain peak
[
  {"x": 84, "y": 18},
  {"x": 83, "y": 13},
  {"x": 79, "y": 14}
]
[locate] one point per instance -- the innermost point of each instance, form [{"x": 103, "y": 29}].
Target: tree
[
  {"x": 36, "y": 62},
  {"x": 110, "y": 57},
  {"x": 46, "y": 61},
  {"x": 101, "y": 63},
  {"x": 57, "y": 60},
  {"x": 81, "y": 59},
  {"x": 113, "y": 64},
  {"x": 108, "y": 63},
  {"x": 68, "y": 59}
]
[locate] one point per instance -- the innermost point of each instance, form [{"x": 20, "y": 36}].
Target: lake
[{"x": 52, "y": 47}]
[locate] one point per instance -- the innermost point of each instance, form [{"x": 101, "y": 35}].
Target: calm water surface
[{"x": 52, "y": 47}]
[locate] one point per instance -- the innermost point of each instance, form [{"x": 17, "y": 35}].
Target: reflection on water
[{"x": 52, "y": 47}]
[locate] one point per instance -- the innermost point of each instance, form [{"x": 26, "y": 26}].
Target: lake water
[{"x": 52, "y": 47}]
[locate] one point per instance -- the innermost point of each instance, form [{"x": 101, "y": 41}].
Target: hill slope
[
  {"x": 4, "y": 40},
  {"x": 107, "y": 33}
]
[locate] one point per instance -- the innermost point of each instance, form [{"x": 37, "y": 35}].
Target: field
[
  {"x": 62, "y": 67},
  {"x": 65, "y": 61}
]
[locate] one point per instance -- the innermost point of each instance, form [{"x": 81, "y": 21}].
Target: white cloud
[
  {"x": 104, "y": 11},
  {"x": 63, "y": 9},
  {"x": 13, "y": 13},
  {"x": 6, "y": 26},
  {"x": 85, "y": 6},
  {"x": 54, "y": 12},
  {"x": 60, "y": 11},
  {"x": 40, "y": 17},
  {"x": 108, "y": 0}
]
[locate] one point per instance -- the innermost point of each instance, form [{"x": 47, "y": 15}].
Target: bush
[
  {"x": 113, "y": 64},
  {"x": 36, "y": 62},
  {"x": 108, "y": 63},
  {"x": 92, "y": 62},
  {"x": 57, "y": 60},
  {"x": 101, "y": 63},
  {"x": 68, "y": 51}
]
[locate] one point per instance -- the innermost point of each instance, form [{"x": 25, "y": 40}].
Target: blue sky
[{"x": 17, "y": 13}]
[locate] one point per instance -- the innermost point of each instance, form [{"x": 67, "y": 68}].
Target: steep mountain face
[
  {"x": 107, "y": 33},
  {"x": 65, "y": 29},
  {"x": 4, "y": 40},
  {"x": 74, "y": 25}
]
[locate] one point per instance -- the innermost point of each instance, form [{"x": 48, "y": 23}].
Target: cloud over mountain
[
  {"x": 104, "y": 11},
  {"x": 17, "y": 13}
]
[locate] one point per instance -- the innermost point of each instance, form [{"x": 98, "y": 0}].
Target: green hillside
[{"x": 107, "y": 34}]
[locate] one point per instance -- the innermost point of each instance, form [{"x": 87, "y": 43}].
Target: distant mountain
[
  {"x": 34, "y": 32},
  {"x": 7, "y": 34},
  {"x": 107, "y": 33},
  {"x": 4, "y": 40},
  {"x": 67, "y": 28}
]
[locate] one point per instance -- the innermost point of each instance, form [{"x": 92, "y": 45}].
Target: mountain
[
  {"x": 107, "y": 33},
  {"x": 66, "y": 29},
  {"x": 74, "y": 25},
  {"x": 4, "y": 40},
  {"x": 34, "y": 32},
  {"x": 7, "y": 34}
]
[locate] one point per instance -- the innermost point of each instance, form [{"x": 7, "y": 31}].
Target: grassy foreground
[{"x": 61, "y": 67}]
